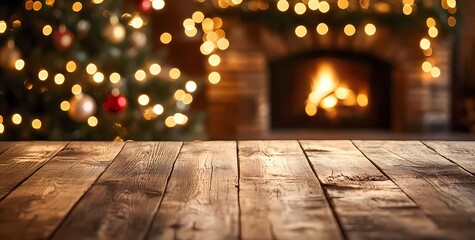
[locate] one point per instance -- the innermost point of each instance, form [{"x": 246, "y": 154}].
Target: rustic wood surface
[{"x": 237, "y": 190}]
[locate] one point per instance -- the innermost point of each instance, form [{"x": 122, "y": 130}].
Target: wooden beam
[
  {"x": 462, "y": 153},
  {"x": 280, "y": 197},
  {"x": 37, "y": 207},
  {"x": 443, "y": 190},
  {"x": 201, "y": 201},
  {"x": 122, "y": 202},
  {"x": 21, "y": 160},
  {"x": 368, "y": 204}
]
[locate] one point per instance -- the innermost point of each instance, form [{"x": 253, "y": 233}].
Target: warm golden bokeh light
[
  {"x": 59, "y": 78},
  {"x": 426, "y": 66},
  {"x": 155, "y": 69},
  {"x": 143, "y": 99},
  {"x": 190, "y": 86},
  {"x": 283, "y": 5},
  {"x": 180, "y": 118},
  {"x": 71, "y": 66},
  {"x": 370, "y": 29},
  {"x": 187, "y": 99},
  {"x": 166, "y": 38},
  {"x": 76, "y": 89},
  {"x": 223, "y": 43},
  {"x": 36, "y": 124},
  {"x": 77, "y": 6},
  {"x": 214, "y": 77},
  {"x": 313, "y": 4},
  {"x": 424, "y": 44},
  {"x": 91, "y": 68},
  {"x": 136, "y": 22},
  {"x": 300, "y": 31},
  {"x": 207, "y": 25},
  {"x": 343, "y": 4},
  {"x": 451, "y": 21},
  {"x": 362, "y": 100},
  {"x": 140, "y": 75},
  {"x": 158, "y": 109},
  {"x": 174, "y": 73},
  {"x": 407, "y": 9},
  {"x": 19, "y": 64},
  {"x": 3, "y": 26},
  {"x": 342, "y": 93},
  {"x": 16, "y": 119},
  {"x": 311, "y": 109},
  {"x": 98, "y": 77},
  {"x": 322, "y": 28},
  {"x": 92, "y": 121},
  {"x": 349, "y": 30},
  {"x": 435, "y": 72},
  {"x": 65, "y": 106},
  {"x": 324, "y": 7},
  {"x": 430, "y": 22},
  {"x": 43, "y": 74},
  {"x": 158, "y": 4},
  {"x": 198, "y": 17},
  {"x": 179, "y": 95},
  {"x": 433, "y": 32},
  {"x": 451, "y": 3},
  {"x": 37, "y": 5},
  {"x": 170, "y": 122},
  {"x": 300, "y": 8},
  {"x": 214, "y": 60},
  {"x": 114, "y": 77},
  {"x": 47, "y": 30}
]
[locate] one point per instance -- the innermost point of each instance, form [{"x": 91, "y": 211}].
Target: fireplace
[
  {"x": 268, "y": 82},
  {"x": 330, "y": 89}
]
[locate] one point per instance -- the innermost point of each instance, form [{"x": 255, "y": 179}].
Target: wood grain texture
[
  {"x": 122, "y": 202},
  {"x": 21, "y": 160},
  {"x": 443, "y": 190},
  {"x": 35, "y": 208},
  {"x": 201, "y": 201},
  {"x": 5, "y": 145},
  {"x": 368, "y": 204},
  {"x": 462, "y": 153},
  {"x": 280, "y": 197}
]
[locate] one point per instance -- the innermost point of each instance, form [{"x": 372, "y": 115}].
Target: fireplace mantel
[{"x": 240, "y": 105}]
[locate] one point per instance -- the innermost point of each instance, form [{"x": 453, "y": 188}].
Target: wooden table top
[{"x": 238, "y": 190}]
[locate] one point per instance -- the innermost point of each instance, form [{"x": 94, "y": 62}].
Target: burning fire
[{"x": 328, "y": 92}]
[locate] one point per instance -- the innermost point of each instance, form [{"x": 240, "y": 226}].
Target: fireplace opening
[{"x": 330, "y": 89}]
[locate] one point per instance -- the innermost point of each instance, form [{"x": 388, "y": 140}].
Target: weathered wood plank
[
  {"x": 36, "y": 208},
  {"x": 443, "y": 190},
  {"x": 367, "y": 203},
  {"x": 280, "y": 197},
  {"x": 201, "y": 200},
  {"x": 122, "y": 202},
  {"x": 462, "y": 153},
  {"x": 21, "y": 160},
  {"x": 5, "y": 145}
]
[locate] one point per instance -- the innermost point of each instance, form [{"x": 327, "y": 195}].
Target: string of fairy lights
[
  {"x": 182, "y": 97},
  {"x": 214, "y": 39}
]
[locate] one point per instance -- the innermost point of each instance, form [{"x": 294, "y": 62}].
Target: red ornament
[
  {"x": 115, "y": 103},
  {"x": 145, "y": 5},
  {"x": 63, "y": 39}
]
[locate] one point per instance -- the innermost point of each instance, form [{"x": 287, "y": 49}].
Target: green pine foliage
[{"x": 25, "y": 93}]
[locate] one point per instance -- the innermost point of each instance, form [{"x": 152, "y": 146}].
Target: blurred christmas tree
[{"x": 74, "y": 69}]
